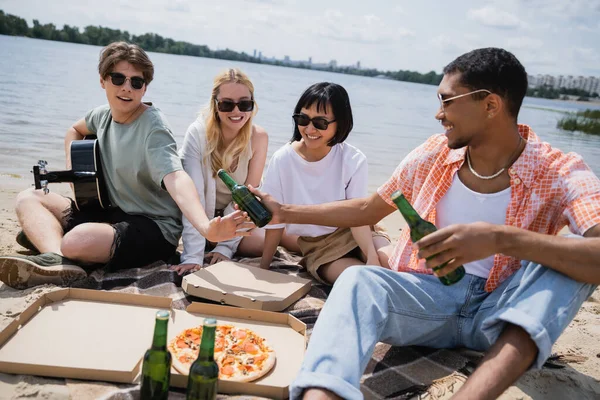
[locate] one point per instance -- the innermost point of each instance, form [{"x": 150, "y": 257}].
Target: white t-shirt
[
  {"x": 461, "y": 205},
  {"x": 290, "y": 179}
]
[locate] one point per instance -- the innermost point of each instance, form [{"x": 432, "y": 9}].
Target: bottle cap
[
  {"x": 396, "y": 194},
  {"x": 210, "y": 322},
  {"x": 162, "y": 314}
]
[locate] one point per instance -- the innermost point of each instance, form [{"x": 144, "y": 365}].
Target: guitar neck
[{"x": 67, "y": 176}]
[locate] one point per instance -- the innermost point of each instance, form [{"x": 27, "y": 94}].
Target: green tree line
[
  {"x": 548, "y": 92},
  {"x": 100, "y": 36}
]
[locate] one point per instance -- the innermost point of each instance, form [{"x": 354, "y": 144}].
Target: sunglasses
[
  {"x": 229, "y": 105},
  {"x": 117, "y": 79},
  {"x": 444, "y": 101},
  {"x": 319, "y": 123}
]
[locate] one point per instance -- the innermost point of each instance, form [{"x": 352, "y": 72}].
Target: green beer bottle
[
  {"x": 257, "y": 212},
  {"x": 420, "y": 228},
  {"x": 156, "y": 369},
  {"x": 204, "y": 372}
]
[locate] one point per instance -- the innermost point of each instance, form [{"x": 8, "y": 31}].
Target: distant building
[{"x": 590, "y": 84}]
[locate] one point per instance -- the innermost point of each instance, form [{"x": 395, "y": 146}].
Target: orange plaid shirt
[{"x": 549, "y": 190}]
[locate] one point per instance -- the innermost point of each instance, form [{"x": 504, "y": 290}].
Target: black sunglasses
[
  {"x": 319, "y": 123},
  {"x": 117, "y": 79},
  {"x": 229, "y": 105}
]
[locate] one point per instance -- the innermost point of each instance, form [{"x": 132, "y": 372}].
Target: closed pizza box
[
  {"x": 98, "y": 335},
  {"x": 81, "y": 334},
  {"x": 242, "y": 285},
  {"x": 284, "y": 333}
]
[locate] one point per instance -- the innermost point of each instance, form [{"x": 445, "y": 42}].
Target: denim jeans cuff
[
  {"x": 306, "y": 380},
  {"x": 492, "y": 328}
]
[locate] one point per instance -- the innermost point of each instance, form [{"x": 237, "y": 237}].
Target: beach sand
[{"x": 578, "y": 346}]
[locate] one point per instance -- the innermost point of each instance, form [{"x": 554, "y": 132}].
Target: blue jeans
[{"x": 371, "y": 304}]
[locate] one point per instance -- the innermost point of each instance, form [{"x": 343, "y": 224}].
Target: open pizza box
[
  {"x": 96, "y": 335},
  {"x": 242, "y": 285}
]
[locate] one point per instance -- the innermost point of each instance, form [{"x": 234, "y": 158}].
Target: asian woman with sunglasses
[
  {"x": 317, "y": 166},
  {"x": 223, "y": 136}
]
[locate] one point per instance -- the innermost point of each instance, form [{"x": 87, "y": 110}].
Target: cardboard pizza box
[
  {"x": 284, "y": 333},
  {"x": 97, "y": 335},
  {"x": 81, "y": 334},
  {"x": 242, "y": 285}
]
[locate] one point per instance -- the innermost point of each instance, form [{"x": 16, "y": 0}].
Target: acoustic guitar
[{"x": 85, "y": 175}]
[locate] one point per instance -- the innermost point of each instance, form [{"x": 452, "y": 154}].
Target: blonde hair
[{"x": 221, "y": 156}]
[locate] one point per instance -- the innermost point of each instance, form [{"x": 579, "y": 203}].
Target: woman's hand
[
  {"x": 373, "y": 259},
  {"x": 214, "y": 257},
  {"x": 183, "y": 268}
]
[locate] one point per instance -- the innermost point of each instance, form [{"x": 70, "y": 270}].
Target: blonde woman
[{"x": 223, "y": 136}]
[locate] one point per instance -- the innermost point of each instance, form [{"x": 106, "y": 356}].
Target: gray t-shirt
[{"x": 135, "y": 159}]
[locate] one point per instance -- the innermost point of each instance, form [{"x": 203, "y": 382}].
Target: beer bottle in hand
[
  {"x": 420, "y": 228},
  {"x": 257, "y": 212},
  {"x": 156, "y": 368},
  {"x": 204, "y": 372}
]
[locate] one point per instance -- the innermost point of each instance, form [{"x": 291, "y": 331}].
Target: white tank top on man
[{"x": 461, "y": 205}]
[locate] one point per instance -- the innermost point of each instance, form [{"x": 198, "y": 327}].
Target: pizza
[{"x": 241, "y": 354}]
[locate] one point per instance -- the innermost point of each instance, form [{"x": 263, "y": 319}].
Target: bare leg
[
  {"x": 504, "y": 363},
  {"x": 385, "y": 252},
  {"x": 320, "y": 394},
  {"x": 252, "y": 246},
  {"x": 330, "y": 272},
  {"x": 89, "y": 243},
  {"x": 41, "y": 218}
]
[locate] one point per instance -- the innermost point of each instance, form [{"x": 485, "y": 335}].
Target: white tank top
[{"x": 461, "y": 205}]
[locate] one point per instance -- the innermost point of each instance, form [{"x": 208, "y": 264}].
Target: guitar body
[
  {"x": 90, "y": 191},
  {"x": 85, "y": 175}
]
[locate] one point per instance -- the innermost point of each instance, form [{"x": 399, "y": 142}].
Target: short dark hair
[
  {"x": 496, "y": 70},
  {"x": 115, "y": 52},
  {"x": 324, "y": 94}
]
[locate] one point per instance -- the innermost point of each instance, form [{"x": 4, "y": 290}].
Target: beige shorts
[{"x": 321, "y": 250}]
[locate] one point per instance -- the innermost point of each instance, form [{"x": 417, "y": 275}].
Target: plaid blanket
[{"x": 392, "y": 373}]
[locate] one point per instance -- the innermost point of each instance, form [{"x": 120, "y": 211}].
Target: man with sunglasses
[
  {"x": 146, "y": 185},
  {"x": 499, "y": 196}
]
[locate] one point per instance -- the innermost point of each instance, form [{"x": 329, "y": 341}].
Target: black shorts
[{"x": 138, "y": 240}]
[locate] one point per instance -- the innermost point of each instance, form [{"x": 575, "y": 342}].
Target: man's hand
[
  {"x": 270, "y": 203},
  {"x": 224, "y": 228},
  {"x": 459, "y": 244},
  {"x": 214, "y": 257}
]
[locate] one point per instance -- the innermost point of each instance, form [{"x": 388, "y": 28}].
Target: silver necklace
[{"x": 497, "y": 173}]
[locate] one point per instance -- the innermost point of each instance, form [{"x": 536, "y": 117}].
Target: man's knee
[
  {"x": 28, "y": 197},
  {"x": 359, "y": 276}
]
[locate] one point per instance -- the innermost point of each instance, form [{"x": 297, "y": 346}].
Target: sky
[{"x": 556, "y": 37}]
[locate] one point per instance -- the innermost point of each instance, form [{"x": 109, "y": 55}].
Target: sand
[{"x": 578, "y": 347}]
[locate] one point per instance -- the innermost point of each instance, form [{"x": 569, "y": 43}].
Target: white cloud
[
  {"x": 524, "y": 43},
  {"x": 491, "y": 16},
  {"x": 366, "y": 29},
  {"x": 182, "y": 6}
]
